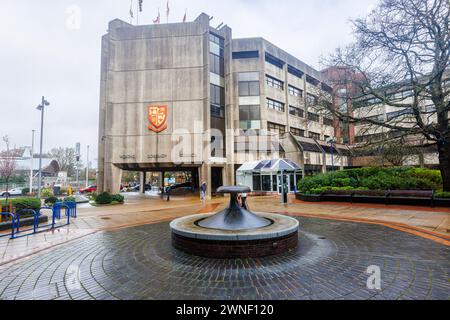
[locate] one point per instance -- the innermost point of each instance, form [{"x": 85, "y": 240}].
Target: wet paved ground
[{"x": 330, "y": 263}]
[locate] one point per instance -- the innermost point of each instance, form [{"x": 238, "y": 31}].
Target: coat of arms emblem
[{"x": 157, "y": 115}]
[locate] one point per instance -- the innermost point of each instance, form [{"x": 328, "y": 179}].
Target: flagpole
[{"x": 137, "y": 12}]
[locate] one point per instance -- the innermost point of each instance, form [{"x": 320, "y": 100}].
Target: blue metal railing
[{"x": 70, "y": 209}]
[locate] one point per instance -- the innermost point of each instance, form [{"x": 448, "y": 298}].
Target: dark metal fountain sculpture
[
  {"x": 234, "y": 217},
  {"x": 235, "y": 232}
]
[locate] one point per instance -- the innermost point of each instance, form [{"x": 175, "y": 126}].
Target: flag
[
  {"x": 131, "y": 10},
  {"x": 140, "y": 5},
  {"x": 185, "y": 17},
  {"x": 168, "y": 10},
  {"x": 158, "y": 19}
]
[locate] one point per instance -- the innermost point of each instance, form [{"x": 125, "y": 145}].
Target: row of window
[
  {"x": 295, "y": 91},
  {"x": 275, "y": 105},
  {"x": 248, "y": 88},
  {"x": 296, "y": 111},
  {"x": 281, "y": 129},
  {"x": 275, "y": 127},
  {"x": 275, "y": 83}
]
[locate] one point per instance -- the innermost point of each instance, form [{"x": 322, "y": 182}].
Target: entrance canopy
[
  {"x": 269, "y": 175},
  {"x": 269, "y": 166}
]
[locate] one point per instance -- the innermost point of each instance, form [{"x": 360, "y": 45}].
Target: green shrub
[
  {"x": 395, "y": 178},
  {"x": 25, "y": 191},
  {"x": 118, "y": 198},
  {"x": 442, "y": 195},
  {"x": 22, "y": 203},
  {"x": 70, "y": 199},
  {"x": 104, "y": 198},
  {"x": 46, "y": 193},
  {"x": 51, "y": 200}
]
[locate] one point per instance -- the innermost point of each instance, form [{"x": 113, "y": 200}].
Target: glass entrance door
[{"x": 283, "y": 179}]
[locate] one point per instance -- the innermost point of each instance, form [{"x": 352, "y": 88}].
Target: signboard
[{"x": 157, "y": 116}]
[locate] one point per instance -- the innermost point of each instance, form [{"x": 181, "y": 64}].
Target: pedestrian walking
[{"x": 203, "y": 189}]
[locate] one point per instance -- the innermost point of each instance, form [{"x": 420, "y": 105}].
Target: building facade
[{"x": 189, "y": 97}]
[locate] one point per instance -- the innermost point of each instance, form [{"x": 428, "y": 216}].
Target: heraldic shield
[{"x": 157, "y": 115}]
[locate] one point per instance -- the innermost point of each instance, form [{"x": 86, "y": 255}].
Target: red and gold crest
[{"x": 157, "y": 115}]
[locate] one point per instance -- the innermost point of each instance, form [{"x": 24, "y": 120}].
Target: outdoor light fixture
[{"x": 41, "y": 107}]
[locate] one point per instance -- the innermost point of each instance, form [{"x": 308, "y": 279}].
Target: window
[
  {"x": 273, "y": 82},
  {"x": 312, "y": 80},
  {"x": 313, "y": 117},
  {"x": 248, "y": 76},
  {"x": 295, "y": 72},
  {"x": 217, "y": 95},
  {"x": 311, "y": 99},
  {"x": 249, "y": 89},
  {"x": 250, "y": 125},
  {"x": 396, "y": 114},
  {"x": 298, "y": 132},
  {"x": 249, "y": 113},
  {"x": 275, "y": 105},
  {"x": 296, "y": 112},
  {"x": 217, "y": 111},
  {"x": 216, "y": 39},
  {"x": 275, "y": 127},
  {"x": 295, "y": 91},
  {"x": 327, "y": 88},
  {"x": 217, "y": 65},
  {"x": 245, "y": 54},
  {"x": 328, "y": 122},
  {"x": 314, "y": 135},
  {"x": 274, "y": 61},
  {"x": 217, "y": 101}
]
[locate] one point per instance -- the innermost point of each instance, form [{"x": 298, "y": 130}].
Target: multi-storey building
[{"x": 188, "y": 97}]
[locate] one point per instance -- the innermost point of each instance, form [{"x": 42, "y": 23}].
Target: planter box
[
  {"x": 308, "y": 197},
  {"x": 442, "y": 202},
  {"x": 409, "y": 201},
  {"x": 23, "y": 222}
]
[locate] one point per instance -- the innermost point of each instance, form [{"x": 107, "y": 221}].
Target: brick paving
[{"x": 330, "y": 263}]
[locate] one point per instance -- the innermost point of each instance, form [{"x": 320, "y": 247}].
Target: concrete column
[
  {"x": 142, "y": 179},
  {"x": 205, "y": 175},
  {"x": 228, "y": 175},
  {"x": 112, "y": 178}
]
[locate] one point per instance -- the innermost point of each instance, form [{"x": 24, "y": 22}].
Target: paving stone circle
[{"x": 330, "y": 263}]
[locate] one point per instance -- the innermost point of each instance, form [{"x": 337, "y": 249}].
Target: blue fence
[{"x": 70, "y": 211}]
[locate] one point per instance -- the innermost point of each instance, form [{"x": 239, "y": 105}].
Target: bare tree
[
  {"x": 66, "y": 158},
  {"x": 7, "y": 165},
  {"x": 401, "y": 55}
]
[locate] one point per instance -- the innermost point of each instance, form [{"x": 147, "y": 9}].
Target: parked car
[
  {"x": 137, "y": 187},
  {"x": 89, "y": 189},
  {"x": 12, "y": 192}
]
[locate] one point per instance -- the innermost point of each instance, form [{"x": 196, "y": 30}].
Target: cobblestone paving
[{"x": 330, "y": 263}]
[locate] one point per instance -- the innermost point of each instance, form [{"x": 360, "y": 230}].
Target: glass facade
[{"x": 217, "y": 94}]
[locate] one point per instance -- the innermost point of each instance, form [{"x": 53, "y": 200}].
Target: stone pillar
[
  {"x": 205, "y": 175},
  {"x": 112, "y": 178},
  {"x": 228, "y": 175},
  {"x": 142, "y": 179}
]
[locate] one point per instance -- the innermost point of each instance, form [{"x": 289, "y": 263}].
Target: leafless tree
[
  {"x": 401, "y": 56},
  {"x": 66, "y": 158},
  {"x": 7, "y": 165}
]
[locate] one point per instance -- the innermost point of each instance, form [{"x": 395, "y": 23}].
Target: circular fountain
[{"x": 235, "y": 232}]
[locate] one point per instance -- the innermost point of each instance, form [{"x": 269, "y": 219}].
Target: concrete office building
[{"x": 188, "y": 97}]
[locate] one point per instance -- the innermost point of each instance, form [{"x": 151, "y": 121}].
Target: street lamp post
[
  {"x": 332, "y": 143},
  {"x": 87, "y": 168},
  {"x": 41, "y": 108},
  {"x": 31, "y": 162}
]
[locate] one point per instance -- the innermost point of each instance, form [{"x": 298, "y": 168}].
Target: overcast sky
[{"x": 41, "y": 55}]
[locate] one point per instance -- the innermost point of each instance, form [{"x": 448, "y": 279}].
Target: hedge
[
  {"x": 106, "y": 198},
  {"x": 395, "y": 178},
  {"x": 22, "y": 203}
]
